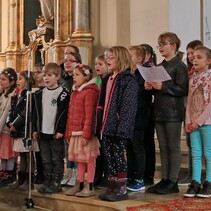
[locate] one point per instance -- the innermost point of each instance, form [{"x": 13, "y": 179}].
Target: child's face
[
  {"x": 100, "y": 67},
  {"x": 111, "y": 62},
  {"x": 50, "y": 80},
  {"x": 21, "y": 82},
  {"x": 134, "y": 58},
  {"x": 166, "y": 48},
  {"x": 190, "y": 52},
  {"x": 5, "y": 82},
  {"x": 38, "y": 74},
  {"x": 78, "y": 78},
  {"x": 69, "y": 63},
  {"x": 200, "y": 60}
]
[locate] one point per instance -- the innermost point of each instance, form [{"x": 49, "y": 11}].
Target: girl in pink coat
[{"x": 83, "y": 145}]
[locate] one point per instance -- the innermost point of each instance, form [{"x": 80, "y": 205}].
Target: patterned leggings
[{"x": 114, "y": 148}]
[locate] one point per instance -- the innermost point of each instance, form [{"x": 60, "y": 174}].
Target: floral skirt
[
  {"x": 79, "y": 153},
  {"x": 19, "y": 146},
  {"x": 6, "y": 147}
]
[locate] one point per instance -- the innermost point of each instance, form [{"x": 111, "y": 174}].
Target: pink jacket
[{"x": 81, "y": 111}]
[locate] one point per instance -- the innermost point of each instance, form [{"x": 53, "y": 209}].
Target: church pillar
[{"x": 81, "y": 35}]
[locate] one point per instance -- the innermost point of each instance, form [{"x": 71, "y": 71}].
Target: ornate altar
[{"x": 69, "y": 24}]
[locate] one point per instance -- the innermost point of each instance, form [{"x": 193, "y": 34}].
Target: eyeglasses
[
  {"x": 161, "y": 44},
  {"x": 69, "y": 60},
  {"x": 109, "y": 57}
]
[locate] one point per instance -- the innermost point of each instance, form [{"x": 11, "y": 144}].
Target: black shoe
[
  {"x": 153, "y": 189},
  {"x": 54, "y": 188},
  {"x": 193, "y": 189},
  {"x": 168, "y": 187}
]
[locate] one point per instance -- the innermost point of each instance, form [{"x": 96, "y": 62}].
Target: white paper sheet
[{"x": 155, "y": 73}]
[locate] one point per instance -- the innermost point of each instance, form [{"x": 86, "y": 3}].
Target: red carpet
[{"x": 183, "y": 204}]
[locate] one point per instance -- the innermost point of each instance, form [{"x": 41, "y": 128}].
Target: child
[
  {"x": 16, "y": 123},
  {"x": 136, "y": 146},
  {"x": 169, "y": 113},
  {"x": 71, "y": 59},
  {"x": 101, "y": 70},
  {"x": 198, "y": 122},
  {"x": 50, "y": 115},
  {"x": 39, "y": 177},
  {"x": 190, "y": 49},
  {"x": 118, "y": 111},
  {"x": 83, "y": 146},
  {"x": 149, "y": 141},
  {"x": 8, "y": 80}
]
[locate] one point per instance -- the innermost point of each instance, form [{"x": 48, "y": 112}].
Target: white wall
[{"x": 185, "y": 20}]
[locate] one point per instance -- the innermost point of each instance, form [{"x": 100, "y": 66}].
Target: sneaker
[
  {"x": 185, "y": 181},
  {"x": 193, "y": 190},
  {"x": 6, "y": 179},
  {"x": 73, "y": 179},
  {"x": 137, "y": 185},
  {"x": 205, "y": 192},
  {"x": 67, "y": 176}
]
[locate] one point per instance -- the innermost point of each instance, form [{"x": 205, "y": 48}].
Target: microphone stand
[{"x": 28, "y": 130}]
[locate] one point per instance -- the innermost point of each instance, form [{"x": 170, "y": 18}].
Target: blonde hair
[
  {"x": 123, "y": 57},
  {"x": 52, "y": 68}
]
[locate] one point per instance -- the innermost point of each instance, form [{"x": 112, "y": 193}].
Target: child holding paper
[{"x": 169, "y": 112}]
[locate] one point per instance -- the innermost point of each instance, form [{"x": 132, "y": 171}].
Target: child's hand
[
  {"x": 84, "y": 141},
  {"x": 187, "y": 127},
  {"x": 59, "y": 135},
  {"x": 35, "y": 135},
  {"x": 156, "y": 85},
  {"x": 194, "y": 126},
  {"x": 147, "y": 85},
  {"x": 12, "y": 129}
]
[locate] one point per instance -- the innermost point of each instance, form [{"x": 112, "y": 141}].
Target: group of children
[{"x": 104, "y": 125}]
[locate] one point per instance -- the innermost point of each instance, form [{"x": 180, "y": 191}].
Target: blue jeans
[{"x": 201, "y": 145}]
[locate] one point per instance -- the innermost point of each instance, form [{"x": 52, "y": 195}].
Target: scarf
[{"x": 202, "y": 79}]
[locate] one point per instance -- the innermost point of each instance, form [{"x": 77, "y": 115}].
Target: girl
[
  {"x": 118, "y": 107},
  {"x": 101, "y": 70},
  {"x": 71, "y": 59},
  {"x": 16, "y": 123},
  {"x": 150, "y": 60},
  {"x": 198, "y": 121},
  {"x": 136, "y": 147},
  {"x": 8, "y": 80},
  {"x": 189, "y": 49},
  {"x": 169, "y": 112},
  {"x": 83, "y": 146}
]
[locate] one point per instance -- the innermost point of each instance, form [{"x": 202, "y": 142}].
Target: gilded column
[
  {"x": 12, "y": 25},
  {"x": 81, "y": 17},
  {"x": 57, "y": 17}
]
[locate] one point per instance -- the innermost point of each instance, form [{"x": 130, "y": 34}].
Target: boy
[{"x": 50, "y": 115}]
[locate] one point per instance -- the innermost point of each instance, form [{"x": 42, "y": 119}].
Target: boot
[
  {"x": 87, "y": 191},
  {"x": 55, "y": 185},
  {"x": 119, "y": 192},
  {"x": 77, "y": 188},
  {"x": 17, "y": 183},
  {"x": 110, "y": 182},
  {"x": 46, "y": 184}
]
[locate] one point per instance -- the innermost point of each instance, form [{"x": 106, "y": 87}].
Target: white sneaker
[
  {"x": 67, "y": 176},
  {"x": 73, "y": 179}
]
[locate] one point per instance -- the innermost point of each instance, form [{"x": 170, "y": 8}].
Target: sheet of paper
[{"x": 155, "y": 73}]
